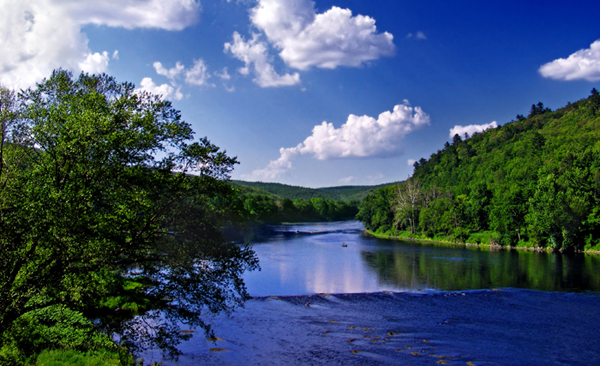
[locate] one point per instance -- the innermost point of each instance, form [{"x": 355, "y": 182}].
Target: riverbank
[
  {"x": 487, "y": 246},
  {"x": 486, "y": 327}
]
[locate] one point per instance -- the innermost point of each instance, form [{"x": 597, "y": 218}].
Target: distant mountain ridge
[{"x": 338, "y": 193}]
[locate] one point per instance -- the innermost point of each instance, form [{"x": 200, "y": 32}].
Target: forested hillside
[
  {"x": 274, "y": 202},
  {"x": 342, "y": 193},
  {"x": 534, "y": 182}
]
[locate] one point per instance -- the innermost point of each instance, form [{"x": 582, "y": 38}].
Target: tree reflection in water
[{"x": 408, "y": 266}]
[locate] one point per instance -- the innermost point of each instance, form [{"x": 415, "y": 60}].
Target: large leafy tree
[
  {"x": 109, "y": 209},
  {"x": 375, "y": 209}
]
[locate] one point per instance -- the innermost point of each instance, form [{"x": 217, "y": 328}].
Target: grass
[
  {"x": 76, "y": 358},
  {"x": 483, "y": 238}
]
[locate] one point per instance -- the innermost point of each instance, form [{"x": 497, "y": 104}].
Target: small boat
[{"x": 344, "y": 245}]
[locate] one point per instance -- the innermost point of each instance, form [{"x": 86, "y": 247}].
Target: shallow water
[
  {"x": 486, "y": 327},
  {"x": 309, "y": 259}
]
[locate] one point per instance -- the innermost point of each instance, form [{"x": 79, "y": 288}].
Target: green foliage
[
  {"x": 460, "y": 234},
  {"x": 538, "y": 109},
  {"x": 101, "y": 218},
  {"x": 343, "y": 193},
  {"x": 532, "y": 182},
  {"x": 257, "y": 206},
  {"x": 52, "y": 327},
  {"x": 77, "y": 358},
  {"x": 375, "y": 210},
  {"x": 276, "y": 203}
]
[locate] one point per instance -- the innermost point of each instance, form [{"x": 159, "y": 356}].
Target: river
[
  {"x": 309, "y": 258},
  {"x": 387, "y": 302}
]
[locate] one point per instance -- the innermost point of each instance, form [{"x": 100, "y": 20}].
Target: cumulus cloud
[
  {"x": 166, "y": 91},
  {"x": 254, "y": 54},
  {"x": 305, "y": 39},
  {"x": 471, "y": 129},
  {"x": 583, "y": 64},
  {"x": 41, "y": 35},
  {"x": 359, "y": 137},
  {"x": 327, "y": 40},
  {"x": 129, "y": 14},
  {"x": 198, "y": 75},
  {"x": 95, "y": 63},
  {"x": 171, "y": 73},
  {"x": 411, "y": 162},
  {"x": 277, "y": 168}
]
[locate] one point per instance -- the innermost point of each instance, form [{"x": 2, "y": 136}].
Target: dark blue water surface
[
  {"x": 309, "y": 258},
  {"x": 385, "y": 302}
]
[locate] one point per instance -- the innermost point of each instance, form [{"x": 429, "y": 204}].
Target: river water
[
  {"x": 309, "y": 259},
  {"x": 386, "y": 302}
]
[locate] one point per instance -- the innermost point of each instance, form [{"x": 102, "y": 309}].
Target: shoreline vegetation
[
  {"x": 532, "y": 184},
  {"x": 447, "y": 241}
]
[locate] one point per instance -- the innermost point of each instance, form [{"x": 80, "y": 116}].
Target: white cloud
[
  {"x": 365, "y": 136},
  {"x": 129, "y": 14},
  {"x": 419, "y": 35},
  {"x": 583, "y": 64},
  {"x": 359, "y": 137},
  {"x": 346, "y": 180},
  {"x": 95, "y": 63},
  {"x": 277, "y": 168},
  {"x": 254, "y": 54},
  {"x": 471, "y": 129},
  {"x": 411, "y": 162},
  {"x": 327, "y": 40},
  {"x": 198, "y": 74},
  {"x": 115, "y": 55},
  {"x": 166, "y": 91},
  {"x": 41, "y": 35},
  {"x": 223, "y": 75},
  {"x": 171, "y": 73}
]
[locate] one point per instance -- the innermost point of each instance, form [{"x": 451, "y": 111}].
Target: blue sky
[{"x": 319, "y": 93}]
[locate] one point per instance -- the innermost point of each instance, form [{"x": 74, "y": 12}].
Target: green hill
[
  {"x": 341, "y": 193},
  {"x": 532, "y": 182}
]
